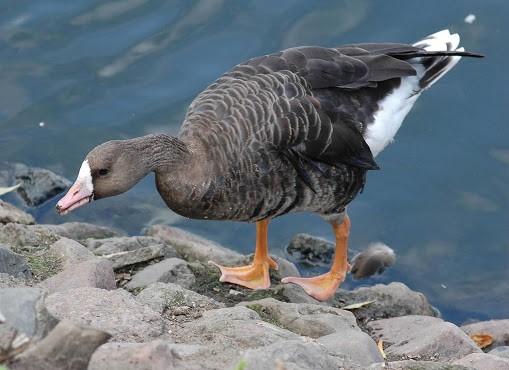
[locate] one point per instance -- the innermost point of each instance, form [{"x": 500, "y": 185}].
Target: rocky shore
[{"x": 81, "y": 296}]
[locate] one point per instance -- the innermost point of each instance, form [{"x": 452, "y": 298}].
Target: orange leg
[
  {"x": 256, "y": 275},
  {"x": 324, "y": 286}
]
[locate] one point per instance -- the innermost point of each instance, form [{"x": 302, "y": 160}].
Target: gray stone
[
  {"x": 192, "y": 247},
  {"x": 142, "y": 255},
  {"x": 96, "y": 273},
  {"x": 114, "y": 311},
  {"x": 67, "y": 346},
  {"x": 9, "y": 281},
  {"x": 106, "y": 246},
  {"x": 9, "y": 213},
  {"x": 305, "y": 319},
  {"x": 311, "y": 250},
  {"x": 160, "y": 296},
  {"x": 354, "y": 344},
  {"x": 502, "y": 351},
  {"x": 13, "y": 264},
  {"x": 293, "y": 355},
  {"x": 24, "y": 311},
  {"x": 295, "y": 294},
  {"x": 484, "y": 361},
  {"x": 226, "y": 332},
  {"x": 498, "y": 329},
  {"x": 39, "y": 185},
  {"x": 27, "y": 237},
  {"x": 421, "y": 338},
  {"x": 70, "y": 252},
  {"x": 392, "y": 300},
  {"x": 82, "y": 230},
  {"x": 171, "y": 270},
  {"x": 417, "y": 365},
  {"x": 156, "y": 355}
]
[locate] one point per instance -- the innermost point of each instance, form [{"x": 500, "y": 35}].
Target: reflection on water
[{"x": 94, "y": 71}]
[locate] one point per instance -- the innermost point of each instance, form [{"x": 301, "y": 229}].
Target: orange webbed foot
[{"x": 254, "y": 276}]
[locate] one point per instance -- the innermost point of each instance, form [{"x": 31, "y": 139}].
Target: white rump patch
[{"x": 85, "y": 176}]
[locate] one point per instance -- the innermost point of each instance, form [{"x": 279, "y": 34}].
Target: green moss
[
  {"x": 43, "y": 265},
  {"x": 266, "y": 315},
  {"x": 242, "y": 365}
]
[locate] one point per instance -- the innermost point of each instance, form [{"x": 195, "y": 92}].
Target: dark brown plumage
[{"x": 276, "y": 134}]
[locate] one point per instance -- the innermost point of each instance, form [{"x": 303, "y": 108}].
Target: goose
[{"x": 287, "y": 132}]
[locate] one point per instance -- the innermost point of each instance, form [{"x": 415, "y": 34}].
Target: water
[{"x": 98, "y": 70}]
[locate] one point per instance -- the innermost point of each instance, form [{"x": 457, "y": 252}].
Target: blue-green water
[{"x": 99, "y": 70}]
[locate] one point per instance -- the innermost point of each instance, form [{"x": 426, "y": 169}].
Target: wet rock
[
  {"x": 24, "y": 311},
  {"x": 421, "y": 338},
  {"x": 192, "y": 247},
  {"x": 392, "y": 300},
  {"x": 39, "y": 185},
  {"x": 305, "y": 319},
  {"x": 9, "y": 213},
  {"x": 311, "y": 250},
  {"x": 113, "y": 311},
  {"x": 9, "y": 281},
  {"x": 27, "y": 237},
  {"x": 96, "y": 273},
  {"x": 67, "y": 346},
  {"x": 70, "y": 252},
  {"x": 502, "y": 351},
  {"x": 498, "y": 329},
  {"x": 484, "y": 361},
  {"x": 156, "y": 355},
  {"x": 293, "y": 354},
  {"x": 171, "y": 270},
  {"x": 13, "y": 264},
  {"x": 145, "y": 254},
  {"x": 124, "y": 244},
  {"x": 160, "y": 296},
  {"x": 82, "y": 230}
]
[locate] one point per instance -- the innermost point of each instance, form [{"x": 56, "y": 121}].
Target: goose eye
[{"x": 103, "y": 171}]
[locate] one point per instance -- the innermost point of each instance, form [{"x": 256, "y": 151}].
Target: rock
[
  {"x": 9, "y": 213},
  {"x": 107, "y": 246},
  {"x": 354, "y": 345},
  {"x": 226, "y": 332},
  {"x": 417, "y": 365},
  {"x": 171, "y": 270},
  {"x": 160, "y": 296},
  {"x": 502, "y": 351},
  {"x": 13, "y": 264},
  {"x": 113, "y": 311},
  {"x": 392, "y": 300},
  {"x": 82, "y": 230},
  {"x": 421, "y": 338},
  {"x": 192, "y": 247},
  {"x": 305, "y": 319},
  {"x": 67, "y": 346},
  {"x": 295, "y": 294},
  {"x": 28, "y": 238},
  {"x": 311, "y": 250},
  {"x": 142, "y": 255},
  {"x": 24, "y": 311},
  {"x": 39, "y": 185},
  {"x": 96, "y": 273},
  {"x": 484, "y": 361},
  {"x": 70, "y": 252},
  {"x": 156, "y": 355},
  {"x": 498, "y": 329},
  {"x": 293, "y": 355},
  {"x": 9, "y": 281}
]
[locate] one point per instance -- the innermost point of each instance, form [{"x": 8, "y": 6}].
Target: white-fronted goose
[{"x": 287, "y": 132}]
